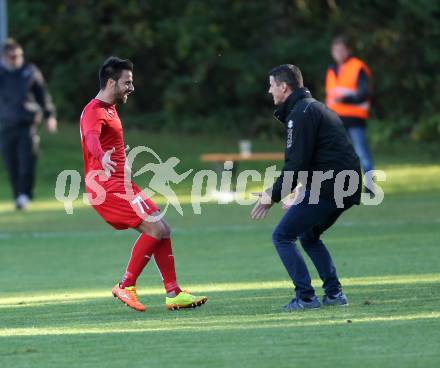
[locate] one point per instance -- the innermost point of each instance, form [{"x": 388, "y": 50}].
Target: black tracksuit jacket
[
  {"x": 315, "y": 141},
  {"x": 23, "y": 96}
]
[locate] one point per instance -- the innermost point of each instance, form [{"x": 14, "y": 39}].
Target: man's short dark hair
[
  {"x": 344, "y": 40},
  {"x": 112, "y": 69},
  {"x": 289, "y": 74},
  {"x": 10, "y": 45}
]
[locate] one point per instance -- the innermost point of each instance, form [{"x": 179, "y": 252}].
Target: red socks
[
  {"x": 140, "y": 255},
  {"x": 145, "y": 247},
  {"x": 163, "y": 255}
]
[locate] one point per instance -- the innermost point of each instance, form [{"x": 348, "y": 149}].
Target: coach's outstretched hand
[
  {"x": 52, "y": 125},
  {"x": 262, "y": 206},
  {"x": 108, "y": 165}
]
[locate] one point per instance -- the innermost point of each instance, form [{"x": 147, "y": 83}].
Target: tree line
[{"x": 202, "y": 65}]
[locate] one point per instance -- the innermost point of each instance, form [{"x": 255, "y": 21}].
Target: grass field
[{"x": 56, "y": 308}]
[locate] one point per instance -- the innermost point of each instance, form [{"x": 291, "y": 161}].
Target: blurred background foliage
[{"x": 202, "y": 65}]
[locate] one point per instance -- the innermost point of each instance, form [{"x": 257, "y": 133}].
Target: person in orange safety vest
[{"x": 348, "y": 93}]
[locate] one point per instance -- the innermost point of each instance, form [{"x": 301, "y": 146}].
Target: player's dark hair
[
  {"x": 289, "y": 74},
  {"x": 10, "y": 45},
  {"x": 112, "y": 69},
  {"x": 344, "y": 40}
]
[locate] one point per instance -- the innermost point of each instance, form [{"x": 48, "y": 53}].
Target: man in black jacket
[
  {"x": 23, "y": 100},
  {"x": 323, "y": 170}
]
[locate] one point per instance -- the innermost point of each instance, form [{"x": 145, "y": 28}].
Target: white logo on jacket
[{"x": 289, "y": 134}]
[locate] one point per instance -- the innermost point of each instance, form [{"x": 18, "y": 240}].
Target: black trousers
[
  {"x": 307, "y": 222},
  {"x": 19, "y": 149}
]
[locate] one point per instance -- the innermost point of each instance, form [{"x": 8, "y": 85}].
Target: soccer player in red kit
[{"x": 119, "y": 201}]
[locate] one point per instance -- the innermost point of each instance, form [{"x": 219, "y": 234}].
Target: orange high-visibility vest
[{"x": 343, "y": 83}]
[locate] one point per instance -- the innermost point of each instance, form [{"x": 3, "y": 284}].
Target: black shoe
[
  {"x": 337, "y": 299},
  {"x": 300, "y": 304}
]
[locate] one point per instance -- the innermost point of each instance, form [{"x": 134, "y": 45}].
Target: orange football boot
[{"x": 128, "y": 296}]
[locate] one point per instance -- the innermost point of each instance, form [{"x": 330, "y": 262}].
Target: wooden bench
[
  {"x": 234, "y": 157},
  {"x": 220, "y": 158}
]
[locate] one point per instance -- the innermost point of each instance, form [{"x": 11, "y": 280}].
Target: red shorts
[{"x": 122, "y": 208}]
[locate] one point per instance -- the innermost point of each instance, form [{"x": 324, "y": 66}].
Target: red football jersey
[{"x": 103, "y": 118}]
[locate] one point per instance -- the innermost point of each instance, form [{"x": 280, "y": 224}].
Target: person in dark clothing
[
  {"x": 24, "y": 100},
  {"x": 323, "y": 170},
  {"x": 348, "y": 93}
]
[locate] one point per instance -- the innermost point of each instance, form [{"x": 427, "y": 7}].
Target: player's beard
[{"x": 120, "y": 95}]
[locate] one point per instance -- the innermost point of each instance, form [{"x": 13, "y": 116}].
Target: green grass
[{"x": 57, "y": 270}]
